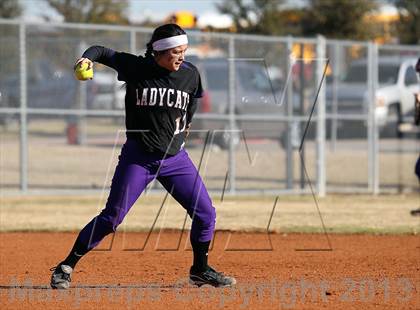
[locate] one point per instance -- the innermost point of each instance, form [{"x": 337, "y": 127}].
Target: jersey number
[{"x": 178, "y": 124}]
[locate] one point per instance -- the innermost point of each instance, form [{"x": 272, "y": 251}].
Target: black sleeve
[
  {"x": 192, "y": 107},
  {"x": 198, "y": 93},
  {"x": 125, "y": 64}
]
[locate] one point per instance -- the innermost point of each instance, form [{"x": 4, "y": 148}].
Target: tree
[
  {"x": 408, "y": 27},
  {"x": 10, "y": 9},
  {"x": 332, "y": 18},
  {"x": 92, "y": 11},
  {"x": 343, "y": 19},
  {"x": 256, "y": 16},
  {"x": 282, "y": 22},
  {"x": 239, "y": 13}
]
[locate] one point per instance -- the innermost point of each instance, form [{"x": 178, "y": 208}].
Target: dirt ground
[{"x": 276, "y": 271}]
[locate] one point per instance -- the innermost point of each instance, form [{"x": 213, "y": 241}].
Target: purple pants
[{"x": 135, "y": 170}]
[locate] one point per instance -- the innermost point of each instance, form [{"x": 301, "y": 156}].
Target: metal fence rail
[{"x": 301, "y": 63}]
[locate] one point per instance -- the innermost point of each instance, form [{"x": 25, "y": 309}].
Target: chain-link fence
[{"x": 61, "y": 134}]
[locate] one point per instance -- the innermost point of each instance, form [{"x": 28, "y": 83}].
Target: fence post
[
  {"x": 133, "y": 42},
  {"x": 23, "y": 154},
  {"x": 334, "y": 104},
  {"x": 232, "y": 100},
  {"x": 373, "y": 132},
  {"x": 82, "y": 105},
  {"x": 320, "y": 128},
  {"x": 289, "y": 101}
]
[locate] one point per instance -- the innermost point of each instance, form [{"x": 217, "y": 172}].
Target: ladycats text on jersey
[{"x": 162, "y": 97}]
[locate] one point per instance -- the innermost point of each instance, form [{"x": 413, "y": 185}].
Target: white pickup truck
[{"x": 398, "y": 81}]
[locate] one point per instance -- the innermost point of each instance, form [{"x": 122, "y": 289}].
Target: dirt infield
[{"x": 280, "y": 271}]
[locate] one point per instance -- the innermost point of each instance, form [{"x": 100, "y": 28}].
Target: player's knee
[
  {"x": 207, "y": 218},
  {"x": 108, "y": 222},
  {"x": 212, "y": 214}
]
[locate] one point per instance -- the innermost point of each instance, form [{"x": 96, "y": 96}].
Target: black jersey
[{"x": 159, "y": 104}]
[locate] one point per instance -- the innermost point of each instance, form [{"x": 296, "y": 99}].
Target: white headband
[{"x": 167, "y": 43}]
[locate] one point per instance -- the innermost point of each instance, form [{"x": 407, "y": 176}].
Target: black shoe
[
  {"x": 415, "y": 212},
  {"x": 61, "y": 277},
  {"x": 210, "y": 277}
]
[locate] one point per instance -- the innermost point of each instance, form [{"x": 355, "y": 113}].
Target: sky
[
  {"x": 159, "y": 9},
  {"x": 138, "y": 10}
]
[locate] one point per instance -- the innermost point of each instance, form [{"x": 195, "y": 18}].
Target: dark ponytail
[
  {"x": 162, "y": 32},
  {"x": 149, "y": 50}
]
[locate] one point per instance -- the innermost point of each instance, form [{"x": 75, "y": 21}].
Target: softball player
[
  {"x": 161, "y": 98},
  {"x": 416, "y": 212}
]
